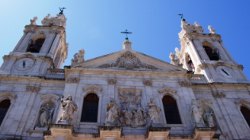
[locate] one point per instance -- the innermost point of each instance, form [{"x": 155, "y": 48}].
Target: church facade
[{"x": 202, "y": 94}]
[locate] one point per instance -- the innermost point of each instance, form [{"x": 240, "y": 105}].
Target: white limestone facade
[{"x": 202, "y": 95}]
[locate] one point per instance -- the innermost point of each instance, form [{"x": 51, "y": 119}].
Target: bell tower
[
  {"x": 204, "y": 53},
  {"x": 41, "y": 47}
]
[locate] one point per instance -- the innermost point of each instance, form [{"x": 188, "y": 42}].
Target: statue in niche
[
  {"x": 45, "y": 115},
  {"x": 197, "y": 114},
  {"x": 68, "y": 107},
  {"x": 78, "y": 57},
  {"x": 208, "y": 117},
  {"x": 153, "y": 112},
  {"x": 112, "y": 116}
]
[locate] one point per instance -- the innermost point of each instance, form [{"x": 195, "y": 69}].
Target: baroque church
[{"x": 202, "y": 94}]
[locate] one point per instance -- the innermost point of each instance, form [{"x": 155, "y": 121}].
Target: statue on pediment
[{"x": 78, "y": 57}]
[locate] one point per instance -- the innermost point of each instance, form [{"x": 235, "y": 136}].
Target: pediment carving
[
  {"x": 167, "y": 90},
  {"x": 128, "y": 61},
  {"x": 92, "y": 89}
]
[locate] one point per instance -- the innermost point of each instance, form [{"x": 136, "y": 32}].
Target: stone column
[
  {"x": 47, "y": 43},
  {"x": 24, "y": 44},
  {"x": 54, "y": 46}
]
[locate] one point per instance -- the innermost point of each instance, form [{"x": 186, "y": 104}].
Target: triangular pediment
[{"x": 129, "y": 60}]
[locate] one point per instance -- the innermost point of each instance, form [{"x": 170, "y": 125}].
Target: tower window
[
  {"x": 90, "y": 108},
  {"x": 35, "y": 46},
  {"x": 246, "y": 113},
  {"x": 212, "y": 53},
  {"x": 4, "y": 106},
  {"x": 171, "y": 110}
]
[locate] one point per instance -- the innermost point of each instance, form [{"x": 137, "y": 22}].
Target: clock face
[
  {"x": 225, "y": 72},
  {"x": 24, "y": 64}
]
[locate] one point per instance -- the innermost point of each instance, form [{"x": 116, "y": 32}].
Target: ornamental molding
[
  {"x": 128, "y": 61},
  {"x": 129, "y": 90},
  {"x": 112, "y": 81},
  {"x": 49, "y": 97},
  {"x": 166, "y": 90},
  {"x": 147, "y": 82},
  {"x": 72, "y": 80},
  {"x": 242, "y": 102},
  {"x": 219, "y": 95},
  {"x": 185, "y": 83},
  {"x": 32, "y": 88},
  {"x": 92, "y": 89},
  {"x": 7, "y": 95}
]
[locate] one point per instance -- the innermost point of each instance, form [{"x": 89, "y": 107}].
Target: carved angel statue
[
  {"x": 33, "y": 21},
  {"x": 154, "y": 112},
  {"x": 211, "y": 29},
  {"x": 68, "y": 107},
  {"x": 78, "y": 57},
  {"x": 208, "y": 117},
  {"x": 197, "y": 114},
  {"x": 112, "y": 115}
]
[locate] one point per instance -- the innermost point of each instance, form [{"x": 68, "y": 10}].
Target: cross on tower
[{"x": 126, "y": 32}]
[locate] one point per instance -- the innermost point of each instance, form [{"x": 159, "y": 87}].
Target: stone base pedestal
[
  {"x": 110, "y": 133},
  {"x": 158, "y": 133},
  {"x": 59, "y": 132},
  {"x": 204, "y": 133}
]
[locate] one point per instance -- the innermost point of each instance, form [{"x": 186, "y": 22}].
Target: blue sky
[{"x": 95, "y": 25}]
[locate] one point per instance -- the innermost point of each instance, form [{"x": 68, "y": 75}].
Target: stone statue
[
  {"x": 33, "y": 21},
  {"x": 211, "y": 30},
  {"x": 139, "y": 118},
  {"x": 112, "y": 115},
  {"x": 68, "y": 107},
  {"x": 153, "y": 112},
  {"x": 45, "y": 115},
  {"x": 127, "y": 117},
  {"x": 208, "y": 117},
  {"x": 78, "y": 57},
  {"x": 174, "y": 59},
  {"x": 197, "y": 114}
]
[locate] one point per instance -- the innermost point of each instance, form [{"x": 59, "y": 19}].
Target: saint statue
[
  {"x": 112, "y": 115},
  {"x": 208, "y": 117},
  {"x": 45, "y": 115},
  {"x": 78, "y": 57},
  {"x": 196, "y": 113},
  {"x": 153, "y": 112},
  {"x": 68, "y": 107}
]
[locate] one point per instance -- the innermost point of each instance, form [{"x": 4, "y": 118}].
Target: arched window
[
  {"x": 4, "y": 106},
  {"x": 212, "y": 53},
  {"x": 90, "y": 108},
  {"x": 171, "y": 110},
  {"x": 35, "y": 45},
  {"x": 246, "y": 113}
]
